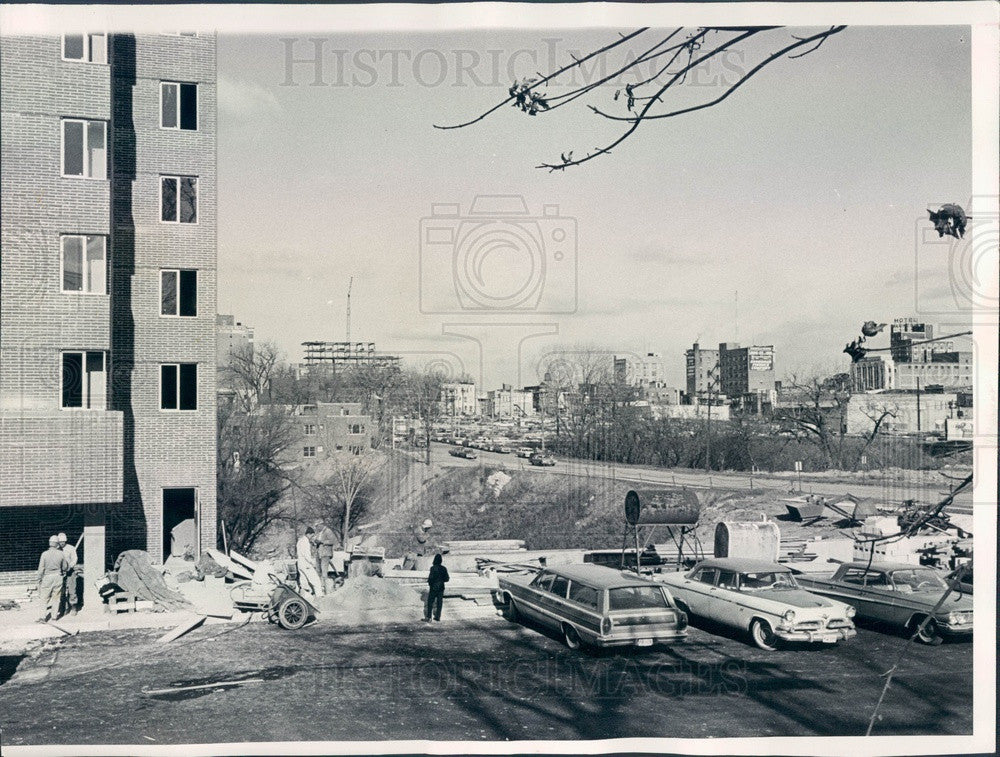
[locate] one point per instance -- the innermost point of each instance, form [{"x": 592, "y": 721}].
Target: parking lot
[{"x": 471, "y": 680}]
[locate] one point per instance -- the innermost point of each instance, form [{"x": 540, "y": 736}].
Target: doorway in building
[{"x": 180, "y": 522}]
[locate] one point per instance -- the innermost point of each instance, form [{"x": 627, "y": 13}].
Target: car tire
[
  {"x": 763, "y": 635},
  {"x": 571, "y": 636},
  {"x": 510, "y": 610},
  {"x": 930, "y": 634},
  {"x": 293, "y": 614}
]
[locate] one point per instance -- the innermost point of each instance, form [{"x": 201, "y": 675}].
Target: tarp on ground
[{"x": 135, "y": 573}]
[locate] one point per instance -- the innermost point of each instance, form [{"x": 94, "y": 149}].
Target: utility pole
[
  {"x": 918, "y": 405},
  {"x": 350, "y": 284},
  {"x": 542, "y": 407}
]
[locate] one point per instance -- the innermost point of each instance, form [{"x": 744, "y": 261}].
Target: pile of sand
[{"x": 368, "y": 593}]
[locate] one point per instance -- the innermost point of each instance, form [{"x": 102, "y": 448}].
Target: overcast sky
[{"x": 805, "y": 192}]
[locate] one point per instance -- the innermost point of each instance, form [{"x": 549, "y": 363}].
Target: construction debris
[
  {"x": 134, "y": 573},
  {"x": 188, "y": 625}
]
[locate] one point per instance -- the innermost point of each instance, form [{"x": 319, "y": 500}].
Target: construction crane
[{"x": 349, "y": 285}]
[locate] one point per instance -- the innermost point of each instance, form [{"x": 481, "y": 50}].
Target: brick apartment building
[
  {"x": 327, "y": 428},
  {"x": 108, "y": 272}
]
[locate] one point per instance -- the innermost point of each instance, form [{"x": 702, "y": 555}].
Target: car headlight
[
  {"x": 789, "y": 616},
  {"x": 954, "y": 619},
  {"x": 851, "y": 611}
]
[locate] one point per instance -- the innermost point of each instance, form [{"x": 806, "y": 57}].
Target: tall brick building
[{"x": 108, "y": 299}]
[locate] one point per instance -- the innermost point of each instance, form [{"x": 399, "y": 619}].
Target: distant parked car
[
  {"x": 468, "y": 454},
  {"x": 500, "y": 448},
  {"x": 524, "y": 452},
  {"x": 898, "y": 594},
  {"x": 760, "y": 597},
  {"x": 540, "y": 459},
  {"x": 596, "y": 606}
]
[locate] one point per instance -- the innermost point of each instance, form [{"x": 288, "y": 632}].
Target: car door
[
  {"x": 555, "y": 601},
  {"x": 537, "y": 594},
  {"x": 700, "y": 592},
  {"x": 727, "y": 600}
]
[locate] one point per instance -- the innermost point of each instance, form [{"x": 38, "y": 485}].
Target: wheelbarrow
[{"x": 282, "y": 604}]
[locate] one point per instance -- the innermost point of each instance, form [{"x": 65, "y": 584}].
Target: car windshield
[
  {"x": 918, "y": 580},
  {"x": 636, "y": 598},
  {"x": 767, "y": 580}
]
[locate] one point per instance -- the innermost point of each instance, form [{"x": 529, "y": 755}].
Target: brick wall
[
  {"x": 155, "y": 449},
  {"x": 167, "y": 448},
  {"x": 38, "y": 320}
]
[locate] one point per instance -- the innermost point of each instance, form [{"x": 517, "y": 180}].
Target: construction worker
[
  {"x": 69, "y": 584},
  {"x": 51, "y": 569},
  {"x": 422, "y": 534},
  {"x": 436, "y": 579},
  {"x": 324, "y": 554},
  {"x": 309, "y": 581}
]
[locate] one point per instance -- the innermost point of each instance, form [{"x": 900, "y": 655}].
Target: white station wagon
[{"x": 760, "y": 597}]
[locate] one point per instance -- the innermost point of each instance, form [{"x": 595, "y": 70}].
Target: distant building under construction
[{"x": 340, "y": 355}]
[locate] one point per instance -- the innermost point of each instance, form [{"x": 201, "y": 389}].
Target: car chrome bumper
[
  {"x": 640, "y": 639},
  {"x": 826, "y": 635},
  {"x": 959, "y": 629}
]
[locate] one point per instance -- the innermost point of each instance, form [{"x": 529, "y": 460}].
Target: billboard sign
[
  {"x": 958, "y": 429},
  {"x": 761, "y": 358}
]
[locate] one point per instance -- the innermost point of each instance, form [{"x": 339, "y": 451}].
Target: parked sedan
[
  {"x": 760, "y": 597},
  {"x": 594, "y": 605},
  {"x": 466, "y": 452},
  {"x": 898, "y": 594},
  {"x": 539, "y": 459},
  {"x": 524, "y": 452}
]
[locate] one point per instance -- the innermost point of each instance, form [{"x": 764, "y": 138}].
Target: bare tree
[
  {"x": 342, "y": 492},
  {"x": 819, "y": 417},
  {"x": 660, "y": 71},
  {"x": 253, "y": 436}
]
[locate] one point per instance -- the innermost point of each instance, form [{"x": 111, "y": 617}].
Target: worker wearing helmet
[
  {"x": 52, "y": 567},
  {"x": 422, "y": 534}
]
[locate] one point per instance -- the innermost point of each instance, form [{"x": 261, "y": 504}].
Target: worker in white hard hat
[
  {"x": 422, "y": 534},
  {"x": 72, "y": 571},
  {"x": 51, "y": 570}
]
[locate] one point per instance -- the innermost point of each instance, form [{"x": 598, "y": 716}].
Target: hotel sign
[{"x": 760, "y": 358}]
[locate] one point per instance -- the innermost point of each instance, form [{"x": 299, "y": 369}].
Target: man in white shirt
[
  {"x": 69, "y": 590},
  {"x": 309, "y": 581}
]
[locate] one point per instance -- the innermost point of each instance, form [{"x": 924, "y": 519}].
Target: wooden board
[{"x": 183, "y": 628}]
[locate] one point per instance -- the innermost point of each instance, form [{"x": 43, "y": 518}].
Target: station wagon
[{"x": 595, "y": 606}]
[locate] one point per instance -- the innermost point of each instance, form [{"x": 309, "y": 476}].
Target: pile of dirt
[{"x": 368, "y": 593}]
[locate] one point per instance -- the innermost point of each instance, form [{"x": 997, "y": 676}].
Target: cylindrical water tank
[
  {"x": 670, "y": 506},
  {"x": 757, "y": 540}
]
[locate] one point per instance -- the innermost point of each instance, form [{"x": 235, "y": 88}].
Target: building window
[
  {"x": 89, "y": 48},
  {"x": 310, "y": 429},
  {"x": 84, "y": 264},
  {"x": 179, "y": 386},
  {"x": 308, "y": 452},
  {"x": 178, "y": 105},
  {"x": 179, "y": 293},
  {"x": 345, "y": 411},
  {"x": 83, "y": 380},
  {"x": 84, "y": 149},
  {"x": 179, "y": 199},
  {"x": 357, "y": 428}
]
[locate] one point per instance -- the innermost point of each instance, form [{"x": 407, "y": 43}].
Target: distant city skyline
[{"x": 812, "y": 208}]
